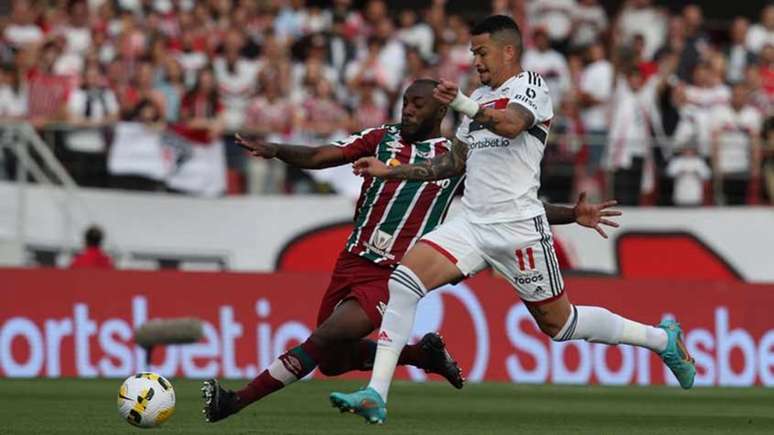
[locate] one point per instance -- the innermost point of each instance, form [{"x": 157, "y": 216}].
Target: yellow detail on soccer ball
[
  {"x": 164, "y": 415},
  {"x": 393, "y": 162}
]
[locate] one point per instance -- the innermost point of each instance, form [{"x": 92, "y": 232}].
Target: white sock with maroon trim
[
  {"x": 598, "y": 325},
  {"x": 397, "y": 322}
]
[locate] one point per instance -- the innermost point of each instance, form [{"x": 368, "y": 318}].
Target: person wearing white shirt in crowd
[
  {"x": 77, "y": 32},
  {"x": 736, "y": 146},
  {"x": 589, "y": 21},
  {"x": 13, "y": 94},
  {"x": 707, "y": 90},
  {"x": 236, "y": 77},
  {"x": 549, "y": 63},
  {"x": 641, "y": 17},
  {"x": 762, "y": 33},
  {"x": 90, "y": 109},
  {"x": 416, "y": 34},
  {"x": 594, "y": 93},
  {"x": 555, "y": 16},
  {"x": 693, "y": 126},
  {"x": 22, "y": 31},
  {"x": 690, "y": 171}
]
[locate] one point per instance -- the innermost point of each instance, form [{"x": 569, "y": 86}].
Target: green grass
[{"x": 88, "y": 407}]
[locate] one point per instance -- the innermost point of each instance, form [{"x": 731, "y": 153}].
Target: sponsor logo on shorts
[{"x": 529, "y": 279}]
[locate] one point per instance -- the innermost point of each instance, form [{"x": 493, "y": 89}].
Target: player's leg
[
  {"x": 443, "y": 256},
  {"x": 558, "y": 318}
]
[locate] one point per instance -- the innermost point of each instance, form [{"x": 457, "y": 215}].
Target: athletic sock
[
  {"x": 288, "y": 368},
  {"x": 598, "y": 325},
  {"x": 411, "y": 355},
  {"x": 405, "y": 291}
]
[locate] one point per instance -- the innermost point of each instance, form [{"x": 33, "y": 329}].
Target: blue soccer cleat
[
  {"x": 675, "y": 356},
  {"x": 366, "y": 403}
]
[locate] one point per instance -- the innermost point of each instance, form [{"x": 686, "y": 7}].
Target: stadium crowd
[{"x": 652, "y": 106}]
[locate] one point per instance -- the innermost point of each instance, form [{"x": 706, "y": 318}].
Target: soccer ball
[{"x": 146, "y": 400}]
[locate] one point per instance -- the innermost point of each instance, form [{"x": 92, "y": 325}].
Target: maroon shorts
[{"x": 359, "y": 279}]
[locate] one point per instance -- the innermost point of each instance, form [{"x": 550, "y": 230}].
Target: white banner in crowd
[
  {"x": 137, "y": 150},
  {"x": 164, "y": 155}
]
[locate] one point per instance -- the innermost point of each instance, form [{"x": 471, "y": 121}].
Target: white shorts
[{"x": 521, "y": 251}]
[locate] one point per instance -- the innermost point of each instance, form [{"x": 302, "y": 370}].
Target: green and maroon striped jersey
[{"x": 391, "y": 215}]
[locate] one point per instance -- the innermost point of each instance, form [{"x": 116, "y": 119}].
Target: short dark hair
[
  {"x": 501, "y": 28},
  {"x": 426, "y": 82},
  {"x": 93, "y": 236}
]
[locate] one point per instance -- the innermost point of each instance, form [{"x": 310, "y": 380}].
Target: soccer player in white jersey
[{"x": 499, "y": 146}]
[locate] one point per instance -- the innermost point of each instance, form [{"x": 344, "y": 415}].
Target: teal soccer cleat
[
  {"x": 366, "y": 403},
  {"x": 675, "y": 356}
]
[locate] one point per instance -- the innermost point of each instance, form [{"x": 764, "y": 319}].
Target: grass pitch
[{"x": 88, "y": 407}]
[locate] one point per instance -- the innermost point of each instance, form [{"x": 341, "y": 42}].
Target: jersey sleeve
[
  {"x": 361, "y": 144},
  {"x": 531, "y": 92}
]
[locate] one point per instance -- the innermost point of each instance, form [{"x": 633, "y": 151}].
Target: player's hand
[
  {"x": 257, "y": 147},
  {"x": 446, "y": 91},
  {"x": 595, "y": 215},
  {"x": 370, "y": 166}
]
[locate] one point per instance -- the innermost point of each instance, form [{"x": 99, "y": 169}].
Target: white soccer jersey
[{"x": 503, "y": 174}]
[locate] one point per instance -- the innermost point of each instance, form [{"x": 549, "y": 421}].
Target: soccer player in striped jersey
[
  {"x": 499, "y": 146},
  {"x": 391, "y": 215}
]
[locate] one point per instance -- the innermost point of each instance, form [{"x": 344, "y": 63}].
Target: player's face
[
  {"x": 420, "y": 113},
  {"x": 488, "y": 57}
]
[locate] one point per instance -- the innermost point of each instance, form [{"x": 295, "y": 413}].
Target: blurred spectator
[
  {"x": 549, "y": 63},
  {"x": 289, "y": 23},
  {"x": 647, "y": 67},
  {"x": 369, "y": 110},
  {"x": 271, "y": 111},
  {"x": 415, "y": 34},
  {"x": 142, "y": 89},
  {"x": 690, "y": 173},
  {"x": 695, "y": 42},
  {"x": 323, "y": 117},
  {"x": 762, "y": 33},
  {"x": 594, "y": 93},
  {"x": 556, "y": 17},
  {"x": 633, "y": 121},
  {"x": 90, "y": 110},
  {"x": 21, "y": 31},
  {"x": 13, "y": 94},
  {"x": 641, "y": 17},
  {"x": 77, "y": 32},
  {"x": 693, "y": 126},
  {"x": 708, "y": 90},
  {"x": 236, "y": 80},
  {"x": 339, "y": 46},
  {"x": 368, "y": 67},
  {"x": 739, "y": 57},
  {"x": 589, "y": 21},
  {"x": 92, "y": 257},
  {"x": 766, "y": 73},
  {"x": 736, "y": 146},
  {"x": 201, "y": 109},
  {"x": 47, "y": 91},
  {"x": 171, "y": 86}
]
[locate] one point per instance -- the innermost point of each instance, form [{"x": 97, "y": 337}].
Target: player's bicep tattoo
[{"x": 522, "y": 114}]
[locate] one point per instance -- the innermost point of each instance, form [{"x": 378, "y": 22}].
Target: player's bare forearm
[
  {"x": 307, "y": 157},
  {"x": 444, "y": 166},
  {"x": 508, "y": 123},
  {"x": 559, "y": 214}
]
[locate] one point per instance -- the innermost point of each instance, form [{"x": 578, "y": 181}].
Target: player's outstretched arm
[
  {"x": 444, "y": 166},
  {"x": 584, "y": 214},
  {"x": 508, "y": 123},
  {"x": 301, "y": 156}
]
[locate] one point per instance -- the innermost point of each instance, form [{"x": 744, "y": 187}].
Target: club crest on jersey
[{"x": 394, "y": 146}]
